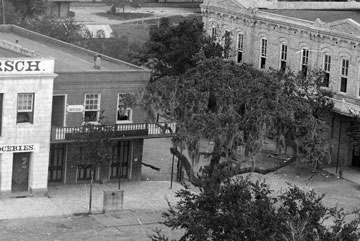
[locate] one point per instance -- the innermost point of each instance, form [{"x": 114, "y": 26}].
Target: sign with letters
[
  {"x": 75, "y": 108},
  {"x": 26, "y": 66},
  {"x": 19, "y": 148}
]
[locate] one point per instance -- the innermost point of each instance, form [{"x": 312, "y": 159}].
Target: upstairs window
[
  {"x": 124, "y": 113},
  {"x": 263, "y": 53},
  {"x": 240, "y": 47},
  {"x": 304, "y": 61},
  {"x": 344, "y": 75},
  {"x": 283, "y": 57},
  {"x": 327, "y": 65},
  {"x": 25, "y": 108},
  {"x": 92, "y": 107}
]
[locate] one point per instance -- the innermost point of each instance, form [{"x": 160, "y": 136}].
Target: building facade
[
  {"x": 48, "y": 91},
  {"x": 275, "y": 40}
]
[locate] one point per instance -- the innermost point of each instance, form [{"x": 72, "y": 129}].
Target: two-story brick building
[
  {"x": 298, "y": 40},
  {"x": 48, "y": 90}
]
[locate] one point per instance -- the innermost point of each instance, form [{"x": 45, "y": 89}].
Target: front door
[
  {"x": 355, "y": 161},
  {"x": 20, "y": 173},
  {"x": 120, "y": 160},
  {"x": 56, "y": 162}
]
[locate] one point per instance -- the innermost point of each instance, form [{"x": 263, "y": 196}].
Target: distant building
[
  {"x": 48, "y": 90},
  {"x": 55, "y": 8},
  {"x": 300, "y": 4},
  {"x": 298, "y": 39}
]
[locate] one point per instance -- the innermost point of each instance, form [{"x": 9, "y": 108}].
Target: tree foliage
[
  {"x": 239, "y": 209},
  {"x": 116, "y": 46},
  {"x": 121, "y": 4},
  {"x": 28, "y": 8},
  {"x": 172, "y": 50},
  {"x": 11, "y": 16},
  {"x": 65, "y": 30},
  {"x": 237, "y": 105}
]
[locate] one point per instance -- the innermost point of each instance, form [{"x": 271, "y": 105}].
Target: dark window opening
[
  {"x": 239, "y": 57},
  {"x": 283, "y": 66},
  {"x": 326, "y": 80},
  {"x": 262, "y": 62},
  {"x": 343, "y": 84}
]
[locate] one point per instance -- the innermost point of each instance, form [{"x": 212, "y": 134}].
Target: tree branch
[
  {"x": 186, "y": 164},
  {"x": 243, "y": 170}
]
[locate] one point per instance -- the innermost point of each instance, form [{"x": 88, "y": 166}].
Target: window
[
  {"x": 283, "y": 57},
  {"x": 213, "y": 33},
  {"x": 92, "y": 107},
  {"x": 1, "y": 107},
  {"x": 25, "y": 108},
  {"x": 344, "y": 75},
  {"x": 263, "y": 53},
  {"x": 240, "y": 46},
  {"x": 327, "y": 64},
  {"x": 124, "y": 113},
  {"x": 304, "y": 61},
  {"x": 226, "y": 45}
]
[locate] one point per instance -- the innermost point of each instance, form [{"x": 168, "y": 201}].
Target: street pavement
[{"x": 65, "y": 200}]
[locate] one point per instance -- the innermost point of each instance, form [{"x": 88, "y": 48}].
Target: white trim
[
  {"x": 130, "y": 120},
  {"x": 302, "y": 56},
  {"x": 242, "y": 46},
  {"x": 65, "y": 105},
  {"x": 97, "y": 110},
  {"x": 342, "y": 59},
  {"x": 325, "y": 70},
  {"x": 287, "y": 53},
  {"x": 261, "y": 51}
]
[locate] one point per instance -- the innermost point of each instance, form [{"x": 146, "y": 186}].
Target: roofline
[
  {"x": 278, "y": 19},
  {"x": 37, "y": 36}
]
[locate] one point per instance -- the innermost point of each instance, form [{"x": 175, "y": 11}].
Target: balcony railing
[{"x": 119, "y": 130}]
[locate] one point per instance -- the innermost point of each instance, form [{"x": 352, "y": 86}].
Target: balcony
[
  {"x": 118, "y": 131},
  {"x": 346, "y": 108}
]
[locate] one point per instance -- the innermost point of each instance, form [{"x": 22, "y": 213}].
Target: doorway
[
  {"x": 58, "y": 111},
  {"x": 121, "y": 155},
  {"x": 20, "y": 172},
  {"x": 355, "y": 160}
]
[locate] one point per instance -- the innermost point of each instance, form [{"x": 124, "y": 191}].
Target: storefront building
[
  {"x": 41, "y": 109},
  {"x": 279, "y": 40},
  {"x": 26, "y": 89}
]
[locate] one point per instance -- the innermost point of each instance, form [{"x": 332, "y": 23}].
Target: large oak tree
[{"x": 238, "y": 106}]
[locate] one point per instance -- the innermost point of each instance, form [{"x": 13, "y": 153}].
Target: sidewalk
[
  {"x": 348, "y": 173},
  {"x": 64, "y": 200}
]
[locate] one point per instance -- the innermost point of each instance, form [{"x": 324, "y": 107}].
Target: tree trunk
[{"x": 187, "y": 165}]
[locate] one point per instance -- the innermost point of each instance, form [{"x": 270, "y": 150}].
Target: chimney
[{"x": 97, "y": 62}]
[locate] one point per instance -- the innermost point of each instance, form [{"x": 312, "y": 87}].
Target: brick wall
[{"x": 109, "y": 85}]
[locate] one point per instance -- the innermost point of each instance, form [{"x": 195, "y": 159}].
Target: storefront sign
[
  {"x": 75, "y": 108},
  {"x": 19, "y": 148},
  {"x": 26, "y": 66}
]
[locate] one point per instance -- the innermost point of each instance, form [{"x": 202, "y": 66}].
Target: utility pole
[{"x": 3, "y": 10}]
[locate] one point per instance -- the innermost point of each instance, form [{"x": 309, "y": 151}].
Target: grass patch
[{"x": 125, "y": 16}]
